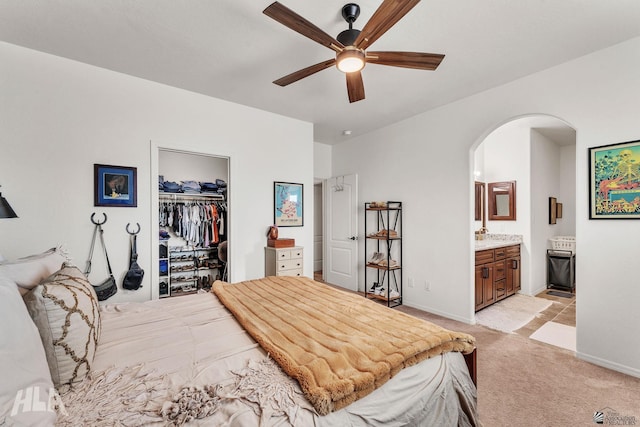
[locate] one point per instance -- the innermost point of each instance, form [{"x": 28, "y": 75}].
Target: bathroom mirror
[
  {"x": 479, "y": 200},
  {"x": 502, "y": 201}
]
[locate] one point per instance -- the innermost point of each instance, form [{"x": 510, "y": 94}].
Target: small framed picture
[
  {"x": 288, "y": 201},
  {"x": 115, "y": 186},
  {"x": 553, "y": 210}
]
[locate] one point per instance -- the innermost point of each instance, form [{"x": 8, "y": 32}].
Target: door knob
[{"x": 353, "y": 237}]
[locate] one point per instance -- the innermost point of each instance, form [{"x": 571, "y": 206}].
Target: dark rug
[{"x": 560, "y": 294}]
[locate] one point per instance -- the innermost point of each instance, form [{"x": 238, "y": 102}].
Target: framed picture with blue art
[
  {"x": 115, "y": 186},
  {"x": 614, "y": 181},
  {"x": 288, "y": 204}
]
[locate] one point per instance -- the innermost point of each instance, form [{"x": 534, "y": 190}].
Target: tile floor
[{"x": 563, "y": 312}]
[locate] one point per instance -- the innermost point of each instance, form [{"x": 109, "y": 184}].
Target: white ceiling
[{"x": 230, "y": 50}]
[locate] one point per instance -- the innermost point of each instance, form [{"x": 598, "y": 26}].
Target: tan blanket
[{"x": 340, "y": 346}]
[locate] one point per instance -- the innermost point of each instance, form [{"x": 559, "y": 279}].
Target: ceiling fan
[{"x": 350, "y": 45}]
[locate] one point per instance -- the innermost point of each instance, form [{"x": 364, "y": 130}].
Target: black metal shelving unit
[{"x": 383, "y": 229}]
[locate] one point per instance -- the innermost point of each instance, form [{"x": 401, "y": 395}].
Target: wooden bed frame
[{"x": 471, "y": 360}]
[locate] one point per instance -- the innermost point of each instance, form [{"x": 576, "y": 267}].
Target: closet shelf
[{"x": 189, "y": 196}]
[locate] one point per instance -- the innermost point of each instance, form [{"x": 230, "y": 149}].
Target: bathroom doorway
[{"x": 538, "y": 152}]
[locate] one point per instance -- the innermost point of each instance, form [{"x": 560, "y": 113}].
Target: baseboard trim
[
  {"x": 609, "y": 365},
  {"x": 443, "y": 314}
]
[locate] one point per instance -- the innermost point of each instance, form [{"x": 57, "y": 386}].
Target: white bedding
[{"x": 195, "y": 341}]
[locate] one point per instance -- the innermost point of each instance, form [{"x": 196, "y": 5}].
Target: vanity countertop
[{"x": 497, "y": 241}]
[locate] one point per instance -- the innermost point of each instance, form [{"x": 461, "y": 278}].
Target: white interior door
[{"x": 341, "y": 231}]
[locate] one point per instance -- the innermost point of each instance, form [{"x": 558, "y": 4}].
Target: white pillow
[
  {"x": 27, "y": 272},
  {"x": 24, "y": 372},
  {"x": 65, "y": 309}
]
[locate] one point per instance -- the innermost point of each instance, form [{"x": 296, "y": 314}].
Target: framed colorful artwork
[
  {"x": 115, "y": 186},
  {"x": 288, "y": 201},
  {"x": 614, "y": 181}
]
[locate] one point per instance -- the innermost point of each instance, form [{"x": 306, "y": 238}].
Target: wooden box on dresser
[
  {"x": 497, "y": 274},
  {"x": 283, "y": 261}
]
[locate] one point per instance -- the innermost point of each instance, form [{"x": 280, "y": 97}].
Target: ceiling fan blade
[
  {"x": 418, "y": 60},
  {"x": 297, "y": 23},
  {"x": 305, "y": 72},
  {"x": 385, "y": 17},
  {"x": 355, "y": 86}
]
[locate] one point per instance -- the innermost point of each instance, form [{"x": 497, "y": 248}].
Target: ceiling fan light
[{"x": 350, "y": 60}]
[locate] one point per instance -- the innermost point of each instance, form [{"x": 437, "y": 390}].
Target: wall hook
[
  {"x": 97, "y": 222},
  {"x": 133, "y": 233}
]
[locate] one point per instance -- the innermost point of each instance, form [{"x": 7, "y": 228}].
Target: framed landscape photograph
[
  {"x": 614, "y": 181},
  {"x": 288, "y": 204},
  {"x": 115, "y": 186}
]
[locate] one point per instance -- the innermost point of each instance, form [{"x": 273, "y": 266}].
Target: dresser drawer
[
  {"x": 294, "y": 272},
  {"x": 289, "y": 253},
  {"x": 289, "y": 264}
]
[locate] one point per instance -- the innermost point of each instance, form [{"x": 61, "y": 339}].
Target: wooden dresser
[
  {"x": 283, "y": 261},
  {"x": 497, "y": 274}
]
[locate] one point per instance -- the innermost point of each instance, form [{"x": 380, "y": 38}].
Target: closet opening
[{"x": 193, "y": 222}]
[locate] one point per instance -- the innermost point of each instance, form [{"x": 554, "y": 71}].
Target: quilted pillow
[
  {"x": 25, "y": 381},
  {"x": 65, "y": 309},
  {"x": 28, "y": 272}
]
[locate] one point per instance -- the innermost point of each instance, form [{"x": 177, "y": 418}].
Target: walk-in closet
[{"x": 193, "y": 219}]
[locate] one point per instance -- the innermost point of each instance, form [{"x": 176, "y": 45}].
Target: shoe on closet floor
[{"x": 394, "y": 294}]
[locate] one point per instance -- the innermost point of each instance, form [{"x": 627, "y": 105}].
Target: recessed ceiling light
[{"x": 346, "y": 132}]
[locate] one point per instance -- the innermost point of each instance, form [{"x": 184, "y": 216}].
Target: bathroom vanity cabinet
[{"x": 497, "y": 274}]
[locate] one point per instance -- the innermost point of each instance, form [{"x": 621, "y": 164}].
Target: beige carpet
[
  {"x": 556, "y": 334},
  {"x": 525, "y": 383},
  {"x": 512, "y": 313}
]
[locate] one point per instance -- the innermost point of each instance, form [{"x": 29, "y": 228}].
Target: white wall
[
  {"x": 59, "y": 117},
  {"x": 567, "y": 187},
  {"x": 545, "y": 161},
  {"x": 321, "y": 160},
  {"x": 507, "y": 158},
  {"x": 426, "y": 161}
]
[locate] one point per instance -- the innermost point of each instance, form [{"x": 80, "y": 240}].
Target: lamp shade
[{"x": 5, "y": 209}]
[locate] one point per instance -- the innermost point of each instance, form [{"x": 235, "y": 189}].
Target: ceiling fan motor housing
[{"x": 348, "y": 37}]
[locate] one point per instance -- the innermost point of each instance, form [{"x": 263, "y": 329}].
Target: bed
[{"x": 246, "y": 354}]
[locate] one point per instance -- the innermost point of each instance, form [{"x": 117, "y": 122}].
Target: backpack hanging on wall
[
  {"x": 133, "y": 278},
  {"x": 108, "y": 287}
]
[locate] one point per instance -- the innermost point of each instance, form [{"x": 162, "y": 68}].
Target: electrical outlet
[
  {"x": 411, "y": 282},
  {"x": 427, "y": 286}
]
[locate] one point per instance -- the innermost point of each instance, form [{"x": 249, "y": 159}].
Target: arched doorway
[{"x": 538, "y": 153}]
